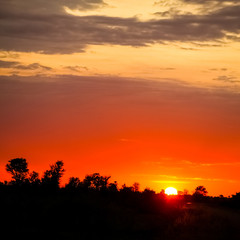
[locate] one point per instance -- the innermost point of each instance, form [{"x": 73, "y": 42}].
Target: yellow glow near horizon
[{"x": 201, "y": 68}]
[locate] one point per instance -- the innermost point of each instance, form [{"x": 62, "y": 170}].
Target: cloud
[
  {"x": 170, "y": 182},
  {"x": 210, "y": 1},
  {"x": 17, "y": 65},
  {"x": 227, "y": 79},
  {"x": 76, "y": 68},
  {"x": 182, "y": 179},
  {"x": 7, "y": 64},
  {"x": 9, "y": 55},
  {"x": 207, "y": 164},
  {"x": 44, "y": 28},
  {"x": 44, "y": 7},
  {"x": 218, "y": 69},
  {"x": 168, "y": 69},
  {"x": 172, "y": 163},
  {"x": 32, "y": 66},
  {"x": 234, "y": 164},
  {"x": 176, "y": 179},
  {"x": 171, "y": 12}
]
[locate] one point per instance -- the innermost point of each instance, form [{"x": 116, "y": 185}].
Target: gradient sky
[{"x": 145, "y": 91}]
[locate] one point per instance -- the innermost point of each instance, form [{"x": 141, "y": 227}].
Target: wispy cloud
[
  {"x": 19, "y": 66},
  {"x": 170, "y": 182},
  {"x": 227, "y": 79},
  {"x": 220, "y": 164},
  {"x": 77, "y": 68},
  {"x": 169, "y": 162},
  {"x": 164, "y": 179},
  {"x": 208, "y": 164},
  {"x": 192, "y": 178},
  {"x": 174, "y": 178}
]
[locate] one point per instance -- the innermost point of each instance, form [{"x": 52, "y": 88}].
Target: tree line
[
  {"x": 22, "y": 177},
  {"x": 96, "y": 207}
]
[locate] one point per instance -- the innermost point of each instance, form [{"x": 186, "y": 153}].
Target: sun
[{"x": 171, "y": 191}]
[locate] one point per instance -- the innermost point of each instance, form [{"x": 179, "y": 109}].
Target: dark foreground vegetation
[{"x": 95, "y": 208}]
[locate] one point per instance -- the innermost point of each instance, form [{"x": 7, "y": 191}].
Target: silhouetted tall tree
[
  {"x": 200, "y": 193},
  {"x": 201, "y": 190},
  {"x": 18, "y": 167},
  {"x": 51, "y": 178}
]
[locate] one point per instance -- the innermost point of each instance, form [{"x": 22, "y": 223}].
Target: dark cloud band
[{"x": 62, "y": 33}]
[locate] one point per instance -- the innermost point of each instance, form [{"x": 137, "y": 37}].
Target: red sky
[{"x": 156, "y": 133}]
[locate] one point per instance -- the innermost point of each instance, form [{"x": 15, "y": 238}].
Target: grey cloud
[
  {"x": 173, "y": 11},
  {"x": 210, "y": 1},
  {"x": 76, "y": 68},
  {"x": 46, "y": 7},
  {"x": 32, "y": 66},
  {"x": 168, "y": 69},
  {"x": 227, "y": 79},
  {"x": 18, "y": 65},
  {"x": 218, "y": 69},
  {"x": 7, "y": 64},
  {"x": 63, "y": 33}
]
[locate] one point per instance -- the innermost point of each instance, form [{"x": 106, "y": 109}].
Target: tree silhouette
[
  {"x": 33, "y": 178},
  {"x": 136, "y": 187},
  {"x": 126, "y": 189},
  {"x": 200, "y": 192},
  {"x": 148, "y": 191},
  {"x": 51, "y": 178},
  {"x": 96, "y": 181},
  {"x": 73, "y": 183},
  {"x": 18, "y": 167},
  {"x": 113, "y": 187}
]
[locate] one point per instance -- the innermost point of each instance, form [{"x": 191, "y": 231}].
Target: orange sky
[{"x": 144, "y": 91}]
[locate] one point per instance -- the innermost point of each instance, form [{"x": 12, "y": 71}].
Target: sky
[{"x": 145, "y": 91}]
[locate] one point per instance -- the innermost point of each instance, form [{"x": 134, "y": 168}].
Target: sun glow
[{"x": 171, "y": 191}]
